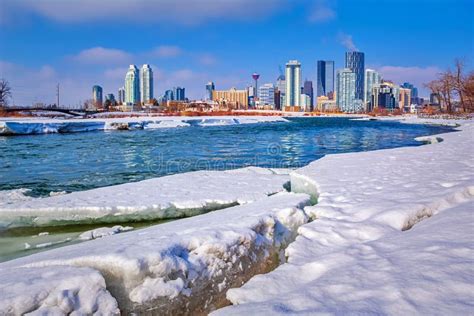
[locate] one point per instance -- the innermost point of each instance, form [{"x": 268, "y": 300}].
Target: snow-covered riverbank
[
  {"x": 372, "y": 247},
  {"x": 28, "y": 126},
  {"x": 394, "y": 235}
]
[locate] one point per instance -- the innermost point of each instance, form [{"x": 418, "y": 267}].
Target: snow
[
  {"x": 172, "y": 266},
  {"x": 174, "y": 196},
  {"x": 104, "y": 232},
  {"x": 393, "y": 235},
  {"x": 44, "y": 125},
  {"x": 58, "y": 291}
]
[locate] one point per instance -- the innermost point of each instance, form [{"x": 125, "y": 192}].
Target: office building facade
[
  {"x": 209, "y": 88},
  {"x": 266, "y": 94},
  {"x": 325, "y": 78},
  {"x": 372, "y": 78},
  {"x": 345, "y": 91},
  {"x": 132, "y": 85},
  {"x": 97, "y": 96},
  {"x": 146, "y": 84},
  {"x": 293, "y": 83},
  {"x": 355, "y": 62}
]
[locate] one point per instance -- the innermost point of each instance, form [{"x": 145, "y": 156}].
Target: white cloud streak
[
  {"x": 101, "y": 55},
  {"x": 184, "y": 12},
  {"x": 321, "y": 12}
]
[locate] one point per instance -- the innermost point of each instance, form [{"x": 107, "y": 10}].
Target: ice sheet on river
[
  {"x": 185, "y": 266},
  {"x": 174, "y": 196},
  {"x": 394, "y": 234},
  {"x": 44, "y": 126}
]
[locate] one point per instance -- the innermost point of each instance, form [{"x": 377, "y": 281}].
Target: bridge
[{"x": 37, "y": 109}]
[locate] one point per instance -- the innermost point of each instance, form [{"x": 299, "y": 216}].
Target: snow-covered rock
[
  {"x": 174, "y": 196},
  {"x": 393, "y": 235},
  {"x": 184, "y": 266}
]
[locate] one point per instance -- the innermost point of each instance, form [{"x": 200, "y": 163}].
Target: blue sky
[{"x": 79, "y": 43}]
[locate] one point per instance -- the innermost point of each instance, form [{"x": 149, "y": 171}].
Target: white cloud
[
  {"x": 166, "y": 51},
  {"x": 321, "y": 12},
  {"x": 101, "y": 55},
  {"x": 185, "y": 12},
  {"x": 207, "y": 59},
  {"x": 346, "y": 41},
  {"x": 416, "y": 75}
]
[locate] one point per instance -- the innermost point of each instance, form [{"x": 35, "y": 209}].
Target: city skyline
[{"x": 191, "y": 54}]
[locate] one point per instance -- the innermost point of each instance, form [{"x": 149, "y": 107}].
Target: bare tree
[
  {"x": 468, "y": 91},
  {"x": 5, "y": 92}
]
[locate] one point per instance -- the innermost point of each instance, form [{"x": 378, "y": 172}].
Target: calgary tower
[{"x": 255, "y": 77}]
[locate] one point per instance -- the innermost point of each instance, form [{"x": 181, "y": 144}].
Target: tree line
[{"x": 454, "y": 87}]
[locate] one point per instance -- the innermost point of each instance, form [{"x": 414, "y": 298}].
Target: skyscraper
[
  {"x": 372, "y": 78},
  {"x": 355, "y": 62},
  {"x": 266, "y": 94},
  {"x": 345, "y": 96},
  {"x": 132, "y": 85},
  {"x": 325, "y": 77},
  {"x": 209, "y": 88},
  {"x": 281, "y": 86},
  {"x": 121, "y": 95},
  {"x": 146, "y": 84},
  {"x": 384, "y": 96},
  {"x": 97, "y": 96},
  {"x": 293, "y": 83},
  {"x": 308, "y": 90},
  {"x": 179, "y": 93}
]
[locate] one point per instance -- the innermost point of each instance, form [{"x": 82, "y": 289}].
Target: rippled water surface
[{"x": 80, "y": 161}]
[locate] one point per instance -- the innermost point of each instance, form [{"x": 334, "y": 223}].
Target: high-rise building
[
  {"x": 146, "y": 84},
  {"x": 209, "y": 88},
  {"x": 305, "y": 103},
  {"x": 121, "y": 95},
  {"x": 132, "y": 85},
  {"x": 372, "y": 78},
  {"x": 97, "y": 96},
  {"x": 179, "y": 94},
  {"x": 346, "y": 88},
  {"x": 281, "y": 87},
  {"x": 293, "y": 83},
  {"x": 266, "y": 94},
  {"x": 169, "y": 95},
  {"x": 325, "y": 77},
  {"x": 308, "y": 90},
  {"x": 384, "y": 96},
  {"x": 405, "y": 99},
  {"x": 414, "y": 92},
  {"x": 355, "y": 62}
]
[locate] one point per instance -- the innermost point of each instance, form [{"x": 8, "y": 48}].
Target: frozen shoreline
[
  {"x": 393, "y": 234},
  {"x": 354, "y": 257},
  {"x": 32, "y": 126}
]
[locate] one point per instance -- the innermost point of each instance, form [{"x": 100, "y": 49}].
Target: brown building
[{"x": 238, "y": 99}]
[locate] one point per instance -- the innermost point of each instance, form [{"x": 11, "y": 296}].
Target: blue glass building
[
  {"x": 325, "y": 78},
  {"x": 355, "y": 62}
]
